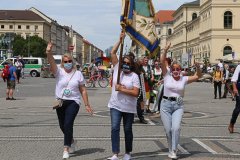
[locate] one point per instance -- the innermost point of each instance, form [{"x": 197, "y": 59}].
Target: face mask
[
  {"x": 126, "y": 68},
  {"x": 175, "y": 74},
  {"x": 68, "y": 66}
]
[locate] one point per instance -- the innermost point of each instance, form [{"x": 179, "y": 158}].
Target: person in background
[
  {"x": 70, "y": 86},
  {"x": 220, "y": 65},
  {"x": 23, "y": 66},
  {"x": 140, "y": 100},
  {"x": 19, "y": 66},
  {"x": 123, "y": 102},
  {"x": 226, "y": 80},
  {"x": 148, "y": 80},
  {"x": 172, "y": 109},
  {"x": 11, "y": 82},
  {"x": 217, "y": 80},
  {"x": 236, "y": 90},
  {"x": 157, "y": 73}
]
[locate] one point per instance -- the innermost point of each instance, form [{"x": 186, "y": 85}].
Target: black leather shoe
[{"x": 143, "y": 121}]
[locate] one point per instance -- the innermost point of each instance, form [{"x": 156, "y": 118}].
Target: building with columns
[{"x": 206, "y": 31}]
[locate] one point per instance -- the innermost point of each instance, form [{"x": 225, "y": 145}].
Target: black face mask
[{"x": 126, "y": 68}]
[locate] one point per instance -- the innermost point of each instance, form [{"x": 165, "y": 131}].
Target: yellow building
[{"x": 206, "y": 30}]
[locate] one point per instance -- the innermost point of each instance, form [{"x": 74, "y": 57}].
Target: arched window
[
  {"x": 169, "y": 31},
  {"x": 194, "y": 16},
  {"x": 228, "y": 20},
  {"x": 227, "y": 50}
]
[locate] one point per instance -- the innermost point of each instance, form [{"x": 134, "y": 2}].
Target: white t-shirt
[
  {"x": 220, "y": 66},
  {"x": 173, "y": 88},
  {"x": 121, "y": 101},
  {"x": 235, "y": 75},
  {"x": 62, "y": 79}
]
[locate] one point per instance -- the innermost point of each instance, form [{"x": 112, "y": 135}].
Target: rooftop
[
  {"x": 163, "y": 16},
  {"x": 19, "y": 15}
]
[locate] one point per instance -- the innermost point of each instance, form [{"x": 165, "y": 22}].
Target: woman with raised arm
[
  {"x": 172, "y": 103},
  {"x": 123, "y": 102},
  {"x": 70, "y": 85}
]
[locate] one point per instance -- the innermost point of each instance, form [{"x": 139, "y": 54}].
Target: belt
[{"x": 170, "y": 98}]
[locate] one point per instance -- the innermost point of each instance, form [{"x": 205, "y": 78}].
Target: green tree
[
  {"x": 31, "y": 46},
  {"x": 19, "y": 47}
]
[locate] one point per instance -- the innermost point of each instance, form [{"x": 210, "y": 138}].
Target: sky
[{"x": 96, "y": 20}]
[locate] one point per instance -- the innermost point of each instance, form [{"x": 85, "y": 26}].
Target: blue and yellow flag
[{"x": 137, "y": 18}]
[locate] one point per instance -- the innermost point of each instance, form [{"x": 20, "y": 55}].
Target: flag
[
  {"x": 106, "y": 61},
  {"x": 137, "y": 18}
]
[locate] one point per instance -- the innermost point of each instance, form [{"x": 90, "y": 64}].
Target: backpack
[{"x": 5, "y": 72}]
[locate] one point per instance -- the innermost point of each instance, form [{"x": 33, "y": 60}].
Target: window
[
  {"x": 10, "y": 26},
  {"x": 169, "y": 31},
  {"x": 27, "y": 27},
  {"x": 19, "y": 26},
  {"x": 31, "y": 61},
  {"x": 228, "y": 20},
  {"x": 2, "y": 26},
  {"x": 194, "y": 16},
  {"x": 227, "y": 50}
]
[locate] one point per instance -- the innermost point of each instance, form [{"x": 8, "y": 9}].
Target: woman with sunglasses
[
  {"x": 172, "y": 109},
  {"x": 123, "y": 102},
  {"x": 70, "y": 85}
]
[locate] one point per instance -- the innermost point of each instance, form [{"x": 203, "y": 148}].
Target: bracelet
[{"x": 86, "y": 105}]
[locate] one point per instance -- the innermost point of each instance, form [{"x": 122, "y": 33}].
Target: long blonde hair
[{"x": 70, "y": 57}]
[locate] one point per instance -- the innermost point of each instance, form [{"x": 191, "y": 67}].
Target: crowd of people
[{"x": 138, "y": 85}]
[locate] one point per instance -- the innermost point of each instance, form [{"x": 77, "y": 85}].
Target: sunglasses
[
  {"x": 124, "y": 62},
  {"x": 176, "y": 69},
  {"x": 69, "y": 61}
]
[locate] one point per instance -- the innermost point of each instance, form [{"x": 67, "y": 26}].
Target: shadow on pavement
[{"x": 87, "y": 151}]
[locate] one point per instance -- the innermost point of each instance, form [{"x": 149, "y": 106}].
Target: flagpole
[
  {"x": 122, "y": 43},
  {"x": 120, "y": 58}
]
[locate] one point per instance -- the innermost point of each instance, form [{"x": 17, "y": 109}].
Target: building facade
[{"x": 206, "y": 31}]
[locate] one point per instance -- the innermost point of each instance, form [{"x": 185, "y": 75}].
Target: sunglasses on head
[
  {"x": 176, "y": 69},
  {"x": 128, "y": 63},
  {"x": 69, "y": 61}
]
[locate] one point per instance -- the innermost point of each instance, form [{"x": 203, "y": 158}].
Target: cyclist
[{"x": 93, "y": 70}]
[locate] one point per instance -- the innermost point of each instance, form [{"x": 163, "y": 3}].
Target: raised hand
[
  {"x": 168, "y": 45},
  {"x": 122, "y": 36},
  {"x": 49, "y": 47}
]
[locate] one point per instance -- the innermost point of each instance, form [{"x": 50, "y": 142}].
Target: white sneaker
[
  {"x": 114, "y": 157},
  {"x": 65, "y": 155},
  {"x": 73, "y": 147},
  {"x": 126, "y": 157},
  {"x": 172, "y": 155}
]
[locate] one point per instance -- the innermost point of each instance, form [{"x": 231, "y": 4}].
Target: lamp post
[{"x": 28, "y": 46}]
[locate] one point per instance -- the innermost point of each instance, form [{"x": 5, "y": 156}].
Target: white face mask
[{"x": 176, "y": 74}]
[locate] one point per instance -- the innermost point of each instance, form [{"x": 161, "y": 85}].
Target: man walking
[{"x": 11, "y": 82}]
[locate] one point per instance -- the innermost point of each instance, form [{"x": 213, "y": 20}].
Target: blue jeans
[
  {"x": 66, "y": 116},
  {"x": 171, "y": 116},
  {"x": 128, "y": 118}
]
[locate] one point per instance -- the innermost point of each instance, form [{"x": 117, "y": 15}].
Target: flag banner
[
  {"x": 137, "y": 18},
  {"x": 103, "y": 61}
]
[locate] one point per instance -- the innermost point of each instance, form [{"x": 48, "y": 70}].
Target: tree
[{"x": 31, "y": 46}]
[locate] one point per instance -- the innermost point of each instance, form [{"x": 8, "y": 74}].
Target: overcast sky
[{"x": 96, "y": 20}]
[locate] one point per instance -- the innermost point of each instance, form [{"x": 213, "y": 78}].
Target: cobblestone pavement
[{"x": 29, "y": 128}]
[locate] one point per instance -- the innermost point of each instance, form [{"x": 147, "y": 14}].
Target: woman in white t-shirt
[
  {"x": 172, "y": 104},
  {"x": 123, "y": 102},
  {"x": 70, "y": 85}
]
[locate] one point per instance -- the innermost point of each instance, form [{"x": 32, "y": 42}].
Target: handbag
[{"x": 59, "y": 102}]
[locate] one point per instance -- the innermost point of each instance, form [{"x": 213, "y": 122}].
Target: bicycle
[{"x": 103, "y": 82}]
